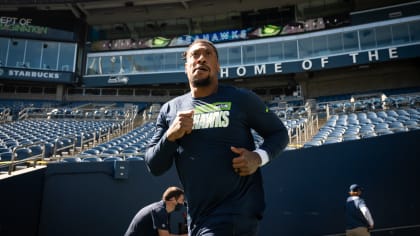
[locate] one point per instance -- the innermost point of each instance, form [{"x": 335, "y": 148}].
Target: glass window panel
[
  {"x": 107, "y": 64},
  {"x": 180, "y": 62},
  {"x": 305, "y": 47},
  {"x": 49, "y": 55},
  {"x": 383, "y": 36},
  {"x": 128, "y": 64},
  {"x": 414, "y": 31},
  {"x": 67, "y": 57},
  {"x": 234, "y": 55},
  {"x": 400, "y": 34},
  {"x": 320, "y": 45},
  {"x": 335, "y": 43},
  {"x": 170, "y": 61},
  {"x": 153, "y": 62},
  {"x": 367, "y": 38},
  {"x": 261, "y": 53},
  {"x": 137, "y": 63},
  {"x": 4, "y": 44},
  {"x": 16, "y": 53},
  {"x": 290, "y": 49},
  {"x": 276, "y": 51},
  {"x": 118, "y": 64},
  {"x": 350, "y": 41},
  {"x": 223, "y": 56},
  {"x": 33, "y": 54},
  {"x": 249, "y": 54},
  {"x": 93, "y": 67}
]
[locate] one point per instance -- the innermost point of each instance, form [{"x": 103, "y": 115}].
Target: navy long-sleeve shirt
[{"x": 204, "y": 159}]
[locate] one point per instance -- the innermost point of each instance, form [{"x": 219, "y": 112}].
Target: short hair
[
  {"x": 172, "y": 192},
  {"x": 197, "y": 41}
]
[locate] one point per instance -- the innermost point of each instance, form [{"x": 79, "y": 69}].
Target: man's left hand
[{"x": 246, "y": 163}]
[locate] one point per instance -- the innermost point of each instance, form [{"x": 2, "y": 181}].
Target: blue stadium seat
[
  {"x": 71, "y": 159},
  {"x": 91, "y": 159},
  {"x": 134, "y": 158},
  {"x": 112, "y": 159},
  {"x": 23, "y": 153}
]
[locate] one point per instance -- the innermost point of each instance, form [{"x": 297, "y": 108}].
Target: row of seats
[
  {"x": 130, "y": 146},
  {"x": 353, "y": 126},
  {"x": 32, "y": 137}
]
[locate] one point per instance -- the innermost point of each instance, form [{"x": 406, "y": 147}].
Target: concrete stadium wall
[{"x": 305, "y": 190}]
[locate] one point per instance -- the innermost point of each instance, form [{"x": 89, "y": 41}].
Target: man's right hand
[{"x": 182, "y": 125}]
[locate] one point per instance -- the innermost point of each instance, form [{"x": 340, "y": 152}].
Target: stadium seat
[
  {"x": 112, "y": 159},
  {"x": 6, "y": 156},
  {"x": 23, "y": 153},
  {"x": 91, "y": 159},
  {"x": 134, "y": 158},
  {"x": 71, "y": 159}
]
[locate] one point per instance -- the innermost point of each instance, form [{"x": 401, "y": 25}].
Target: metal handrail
[{"x": 14, "y": 162}]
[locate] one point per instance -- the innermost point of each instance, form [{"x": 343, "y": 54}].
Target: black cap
[{"x": 355, "y": 188}]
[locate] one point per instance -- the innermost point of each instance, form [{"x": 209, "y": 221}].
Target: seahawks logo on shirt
[{"x": 215, "y": 115}]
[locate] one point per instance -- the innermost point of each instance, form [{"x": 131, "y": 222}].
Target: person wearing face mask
[
  {"x": 207, "y": 133},
  {"x": 153, "y": 219}
]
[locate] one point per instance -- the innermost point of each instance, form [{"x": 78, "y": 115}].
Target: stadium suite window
[
  {"x": 414, "y": 31},
  {"x": 276, "y": 51},
  {"x": 16, "y": 53},
  {"x": 170, "y": 61},
  {"x": 234, "y": 55},
  {"x": 249, "y": 54},
  {"x": 400, "y": 34},
  {"x": 383, "y": 36},
  {"x": 110, "y": 65},
  {"x": 33, "y": 54},
  {"x": 319, "y": 45},
  {"x": 66, "y": 56},
  {"x": 4, "y": 43},
  {"x": 49, "y": 56},
  {"x": 261, "y": 53},
  {"x": 223, "y": 56},
  {"x": 350, "y": 41},
  {"x": 367, "y": 38},
  {"x": 305, "y": 47},
  {"x": 335, "y": 43},
  {"x": 290, "y": 49}
]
